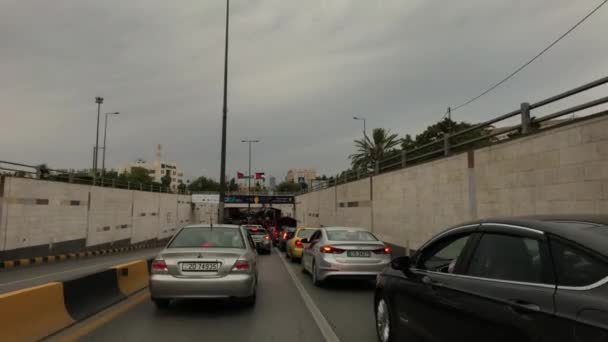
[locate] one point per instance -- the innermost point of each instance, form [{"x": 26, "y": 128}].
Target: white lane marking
[
  {"x": 100, "y": 265},
  {"x": 326, "y": 330}
]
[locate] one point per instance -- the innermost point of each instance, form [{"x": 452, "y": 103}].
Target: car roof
[
  {"x": 212, "y": 226},
  {"x": 346, "y": 228},
  {"x": 590, "y": 230}
]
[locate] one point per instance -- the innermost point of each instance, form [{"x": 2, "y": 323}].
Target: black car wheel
[
  {"x": 384, "y": 326},
  {"x": 250, "y": 301},
  {"x": 161, "y": 304}
]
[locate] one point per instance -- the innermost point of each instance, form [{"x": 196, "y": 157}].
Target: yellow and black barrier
[
  {"x": 132, "y": 277},
  {"x": 37, "y": 312},
  {"x": 77, "y": 255},
  {"x": 33, "y": 313}
]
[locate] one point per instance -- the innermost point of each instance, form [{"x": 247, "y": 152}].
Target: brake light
[
  {"x": 285, "y": 236},
  {"x": 266, "y": 237},
  {"x": 331, "y": 250},
  {"x": 159, "y": 266},
  {"x": 385, "y": 250},
  {"x": 298, "y": 243},
  {"x": 240, "y": 266}
]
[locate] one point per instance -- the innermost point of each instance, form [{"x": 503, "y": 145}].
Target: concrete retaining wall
[
  {"x": 561, "y": 170},
  {"x": 109, "y": 217},
  {"x": 41, "y": 213},
  {"x": 40, "y": 218}
]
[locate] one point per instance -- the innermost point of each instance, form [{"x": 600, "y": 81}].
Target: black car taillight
[{"x": 385, "y": 250}]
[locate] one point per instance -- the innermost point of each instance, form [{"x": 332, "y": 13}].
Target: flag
[
  {"x": 240, "y": 175},
  {"x": 260, "y": 175}
]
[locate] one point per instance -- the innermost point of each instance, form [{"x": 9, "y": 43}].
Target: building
[
  {"x": 157, "y": 169},
  {"x": 301, "y": 175},
  {"x": 272, "y": 182}
]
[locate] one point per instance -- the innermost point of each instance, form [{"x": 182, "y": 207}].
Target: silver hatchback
[
  {"x": 344, "y": 252},
  {"x": 205, "y": 261}
]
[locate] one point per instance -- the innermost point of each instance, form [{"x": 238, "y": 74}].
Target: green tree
[
  {"x": 203, "y": 183},
  {"x": 288, "y": 187},
  {"x": 137, "y": 175},
  {"x": 181, "y": 187},
  {"x": 437, "y": 131},
  {"x": 166, "y": 179},
  {"x": 408, "y": 143},
  {"x": 375, "y": 149},
  {"x": 232, "y": 186},
  {"x": 111, "y": 174}
]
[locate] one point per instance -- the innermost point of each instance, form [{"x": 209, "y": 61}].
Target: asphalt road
[
  {"x": 21, "y": 277},
  {"x": 280, "y": 313}
]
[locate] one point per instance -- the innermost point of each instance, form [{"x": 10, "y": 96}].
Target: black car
[
  {"x": 288, "y": 233},
  {"x": 518, "y": 279}
]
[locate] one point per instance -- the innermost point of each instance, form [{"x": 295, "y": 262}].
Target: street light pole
[
  {"x": 99, "y": 101},
  {"x": 364, "y": 129},
  {"x": 249, "y": 177},
  {"x": 224, "y": 119},
  {"x": 103, "y": 159}
]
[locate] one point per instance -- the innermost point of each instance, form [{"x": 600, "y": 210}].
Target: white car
[{"x": 344, "y": 252}]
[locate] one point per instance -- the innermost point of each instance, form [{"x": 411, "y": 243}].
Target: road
[
  {"x": 280, "y": 314},
  {"x": 21, "y": 277}
]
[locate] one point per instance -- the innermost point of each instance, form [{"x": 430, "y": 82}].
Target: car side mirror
[
  {"x": 402, "y": 263},
  {"x": 305, "y": 241}
]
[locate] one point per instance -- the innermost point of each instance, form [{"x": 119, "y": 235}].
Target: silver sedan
[
  {"x": 344, "y": 252},
  {"x": 205, "y": 261}
]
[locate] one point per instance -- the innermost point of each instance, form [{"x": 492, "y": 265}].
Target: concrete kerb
[
  {"x": 35, "y": 313},
  {"x": 76, "y": 255}
]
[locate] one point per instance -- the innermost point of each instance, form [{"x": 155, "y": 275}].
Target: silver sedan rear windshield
[
  {"x": 350, "y": 235},
  {"x": 208, "y": 237}
]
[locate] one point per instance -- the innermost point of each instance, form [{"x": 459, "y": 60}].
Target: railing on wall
[
  {"x": 485, "y": 134},
  {"x": 42, "y": 172}
]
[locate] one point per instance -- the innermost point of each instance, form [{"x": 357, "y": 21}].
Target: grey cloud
[{"x": 298, "y": 72}]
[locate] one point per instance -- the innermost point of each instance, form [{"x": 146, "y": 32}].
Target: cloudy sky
[{"x": 299, "y": 70}]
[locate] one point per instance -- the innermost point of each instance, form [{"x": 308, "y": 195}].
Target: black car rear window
[
  {"x": 256, "y": 231},
  {"x": 208, "y": 237},
  {"x": 574, "y": 266}
]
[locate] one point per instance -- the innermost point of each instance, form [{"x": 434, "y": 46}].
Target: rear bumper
[
  {"x": 266, "y": 245},
  {"x": 327, "y": 269},
  {"x": 296, "y": 252},
  {"x": 232, "y": 285}
]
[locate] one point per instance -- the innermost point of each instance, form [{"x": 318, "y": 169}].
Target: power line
[{"x": 531, "y": 60}]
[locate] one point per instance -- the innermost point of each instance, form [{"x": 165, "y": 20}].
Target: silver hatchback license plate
[
  {"x": 200, "y": 266},
  {"x": 359, "y": 254}
]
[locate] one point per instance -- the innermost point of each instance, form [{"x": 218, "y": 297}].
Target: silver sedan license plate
[
  {"x": 200, "y": 266},
  {"x": 359, "y": 254}
]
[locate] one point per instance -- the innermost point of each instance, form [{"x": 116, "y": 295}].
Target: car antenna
[{"x": 211, "y": 220}]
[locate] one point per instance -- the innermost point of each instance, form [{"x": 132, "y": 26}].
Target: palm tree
[{"x": 371, "y": 150}]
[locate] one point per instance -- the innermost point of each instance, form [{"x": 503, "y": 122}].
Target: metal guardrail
[
  {"x": 41, "y": 172},
  {"x": 243, "y": 193},
  {"x": 445, "y": 147}
]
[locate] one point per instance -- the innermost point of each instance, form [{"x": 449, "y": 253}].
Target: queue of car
[{"x": 542, "y": 278}]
